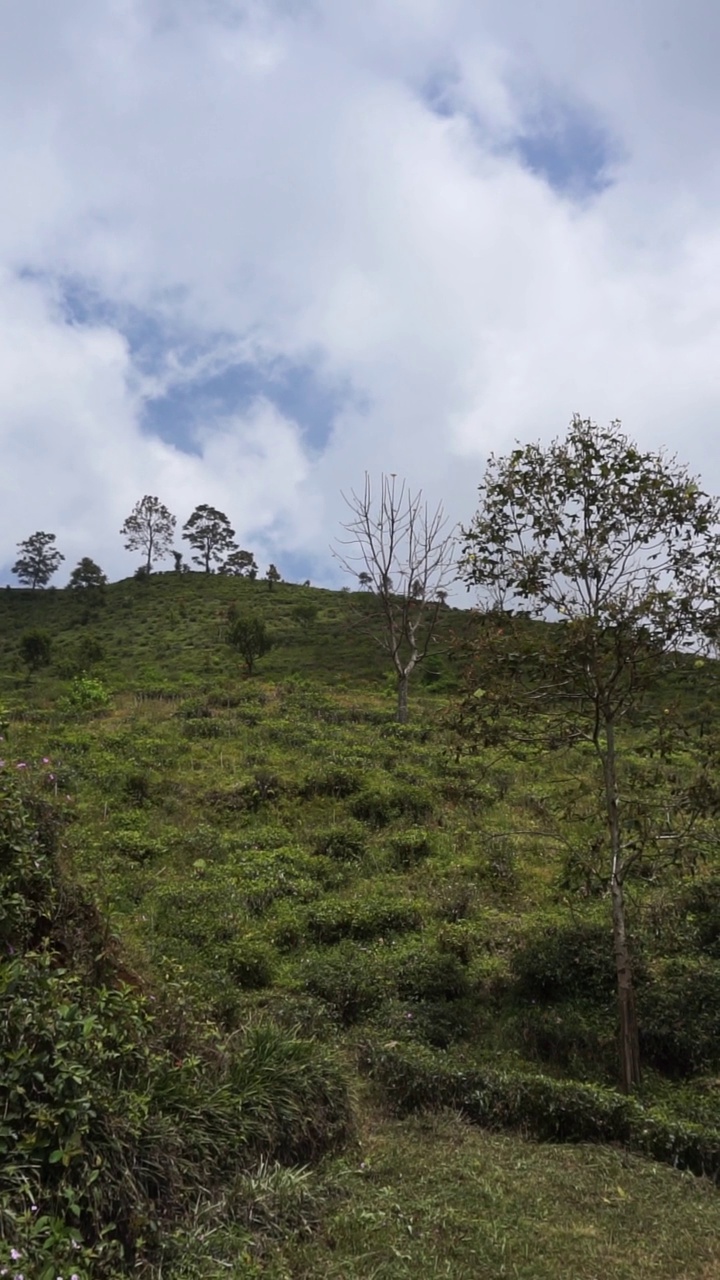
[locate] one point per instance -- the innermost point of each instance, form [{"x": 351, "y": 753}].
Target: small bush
[
  {"x": 379, "y": 805},
  {"x": 352, "y": 983},
  {"x": 137, "y": 786},
  {"x": 346, "y": 842},
  {"x": 336, "y": 781},
  {"x": 412, "y": 846},
  {"x": 566, "y": 961},
  {"x": 87, "y": 693},
  {"x": 330, "y": 921},
  {"x": 251, "y": 964},
  {"x": 679, "y": 1016},
  {"x": 375, "y": 806},
  {"x": 424, "y": 973}
]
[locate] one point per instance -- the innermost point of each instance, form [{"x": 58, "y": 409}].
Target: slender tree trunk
[
  {"x": 402, "y": 703},
  {"x": 629, "y": 1038}
]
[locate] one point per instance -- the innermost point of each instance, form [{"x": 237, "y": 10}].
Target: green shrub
[
  {"x": 379, "y": 805},
  {"x": 347, "y": 842},
  {"x": 138, "y": 845},
  {"x": 36, "y": 649},
  {"x": 87, "y": 693},
  {"x": 458, "y": 938},
  {"x": 137, "y": 786},
  {"x": 374, "y": 805},
  {"x": 264, "y": 787},
  {"x": 199, "y": 729},
  {"x": 412, "y": 846},
  {"x": 337, "y": 781},
  {"x": 352, "y": 983},
  {"x": 564, "y": 961},
  {"x": 574, "y": 1037},
  {"x": 679, "y": 1016},
  {"x": 330, "y": 921},
  {"x": 425, "y": 973},
  {"x": 251, "y": 964},
  {"x": 701, "y": 903}
]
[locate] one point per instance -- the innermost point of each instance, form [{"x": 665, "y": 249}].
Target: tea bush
[
  {"x": 352, "y": 983},
  {"x": 679, "y": 1015},
  {"x": 565, "y": 960},
  {"x": 336, "y": 780},
  {"x": 412, "y": 846},
  {"x": 425, "y": 973},
  {"x": 347, "y": 842},
  {"x": 251, "y": 963},
  {"x": 331, "y": 920},
  {"x": 379, "y": 805},
  {"x": 414, "y": 1078}
]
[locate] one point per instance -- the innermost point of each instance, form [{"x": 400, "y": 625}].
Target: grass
[
  {"x": 432, "y": 1196},
  {"x": 284, "y": 849}
]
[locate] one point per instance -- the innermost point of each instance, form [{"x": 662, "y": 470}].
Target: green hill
[{"x": 416, "y": 923}]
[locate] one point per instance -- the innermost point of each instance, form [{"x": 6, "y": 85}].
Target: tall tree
[
  {"x": 621, "y": 549},
  {"x": 39, "y": 559},
  {"x": 210, "y": 534},
  {"x": 402, "y": 550},
  {"x": 150, "y": 528},
  {"x": 240, "y": 564},
  {"x": 87, "y": 576}
]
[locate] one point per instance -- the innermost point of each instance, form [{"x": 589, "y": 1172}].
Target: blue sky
[{"x": 249, "y": 252}]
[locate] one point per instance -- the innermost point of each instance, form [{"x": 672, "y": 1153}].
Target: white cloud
[{"x": 274, "y": 179}]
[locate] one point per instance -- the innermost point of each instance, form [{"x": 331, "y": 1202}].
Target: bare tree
[{"x": 402, "y": 551}]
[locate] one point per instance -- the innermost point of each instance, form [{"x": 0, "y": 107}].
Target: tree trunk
[
  {"x": 629, "y": 1038},
  {"x": 402, "y": 703}
]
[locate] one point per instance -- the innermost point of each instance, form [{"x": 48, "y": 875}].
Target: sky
[{"x": 250, "y": 251}]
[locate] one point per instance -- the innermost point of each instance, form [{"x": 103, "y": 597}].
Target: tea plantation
[{"x": 290, "y": 989}]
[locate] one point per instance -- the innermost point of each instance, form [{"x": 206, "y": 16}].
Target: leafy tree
[
  {"x": 39, "y": 559},
  {"x": 621, "y": 549},
  {"x": 209, "y": 532},
  {"x": 240, "y": 564},
  {"x": 365, "y": 580},
  {"x": 36, "y": 649},
  {"x": 87, "y": 576},
  {"x": 249, "y": 637},
  {"x": 272, "y": 576},
  {"x": 150, "y": 528},
  {"x": 407, "y": 557}
]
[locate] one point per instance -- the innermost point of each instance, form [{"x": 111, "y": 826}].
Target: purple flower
[
  {"x": 46, "y": 759},
  {"x": 21, "y": 765}
]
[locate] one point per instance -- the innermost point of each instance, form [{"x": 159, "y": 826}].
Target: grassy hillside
[{"x": 275, "y": 851}]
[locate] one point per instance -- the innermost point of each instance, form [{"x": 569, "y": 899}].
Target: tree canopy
[
  {"x": 150, "y": 527},
  {"x": 39, "y": 559},
  {"x": 211, "y": 535},
  {"x": 87, "y": 575}
]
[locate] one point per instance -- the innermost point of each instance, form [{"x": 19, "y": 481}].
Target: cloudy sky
[{"x": 250, "y": 249}]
